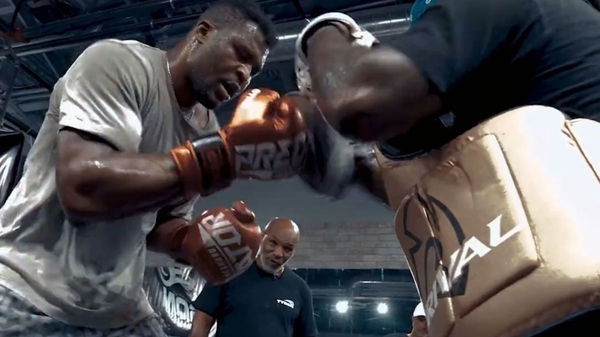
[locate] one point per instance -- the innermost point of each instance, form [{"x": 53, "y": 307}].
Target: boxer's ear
[{"x": 203, "y": 31}]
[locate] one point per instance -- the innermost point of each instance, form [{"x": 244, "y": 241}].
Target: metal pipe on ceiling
[
  {"x": 380, "y": 25},
  {"x": 98, "y": 17},
  {"x": 19, "y": 125},
  {"x": 29, "y": 92},
  {"x": 383, "y": 25},
  {"x": 32, "y": 99},
  {"x": 122, "y": 31},
  {"x": 137, "y": 9},
  {"x": 79, "y": 39},
  {"x": 379, "y": 3}
]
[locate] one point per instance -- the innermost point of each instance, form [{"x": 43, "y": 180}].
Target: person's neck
[{"x": 177, "y": 71}]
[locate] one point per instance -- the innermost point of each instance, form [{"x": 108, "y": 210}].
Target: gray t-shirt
[{"x": 91, "y": 274}]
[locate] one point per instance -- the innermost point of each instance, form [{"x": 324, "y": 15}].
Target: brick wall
[{"x": 360, "y": 245}]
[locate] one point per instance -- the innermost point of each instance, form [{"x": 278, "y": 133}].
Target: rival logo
[
  {"x": 287, "y": 303},
  {"x": 460, "y": 259},
  {"x": 271, "y": 160},
  {"x": 224, "y": 245},
  {"x": 450, "y": 281}
]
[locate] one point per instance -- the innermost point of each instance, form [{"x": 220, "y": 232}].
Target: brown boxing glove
[
  {"x": 222, "y": 242},
  {"x": 265, "y": 139}
]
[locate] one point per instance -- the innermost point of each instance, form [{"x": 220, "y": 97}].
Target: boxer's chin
[
  {"x": 265, "y": 264},
  {"x": 204, "y": 95}
]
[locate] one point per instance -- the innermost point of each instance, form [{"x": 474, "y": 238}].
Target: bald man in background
[{"x": 267, "y": 300}]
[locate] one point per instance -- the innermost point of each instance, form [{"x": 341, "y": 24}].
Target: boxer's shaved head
[
  {"x": 280, "y": 239},
  {"x": 284, "y": 228}
]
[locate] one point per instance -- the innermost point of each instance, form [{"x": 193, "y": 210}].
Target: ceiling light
[
  {"x": 342, "y": 307},
  {"x": 382, "y": 308}
]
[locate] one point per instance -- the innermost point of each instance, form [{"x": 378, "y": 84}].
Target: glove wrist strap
[{"x": 204, "y": 164}]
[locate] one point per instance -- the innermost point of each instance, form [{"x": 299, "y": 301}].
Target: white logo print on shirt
[{"x": 287, "y": 303}]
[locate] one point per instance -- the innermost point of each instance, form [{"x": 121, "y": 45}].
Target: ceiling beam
[
  {"x": 124, "y": 31},
  {"x": 20, "y": 119},
  {"x": 83, "y": 21},
  {"x": 378, "y": 21},
  {"x": 27, "y": 19}
]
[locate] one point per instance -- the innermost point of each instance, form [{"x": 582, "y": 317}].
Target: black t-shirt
[
  {"x": 487, "y": 56},
  {"x": 258, "y": 304}
]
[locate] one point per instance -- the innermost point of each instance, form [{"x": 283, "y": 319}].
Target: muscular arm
[
  {"x": 371, "y": 94},
  {"x": 97, "y": 182},
  {"x": 201, "y": 324}
]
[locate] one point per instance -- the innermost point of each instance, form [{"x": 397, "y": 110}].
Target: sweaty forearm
[{"x": 119, "y": 185}]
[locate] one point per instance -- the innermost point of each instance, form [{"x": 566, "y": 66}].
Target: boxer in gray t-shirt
[{"x": 73, "y": 233}]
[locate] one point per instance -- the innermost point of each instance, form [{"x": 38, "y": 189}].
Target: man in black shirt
[
  {"x": 474, "y": 58},
  {"x": 268, "y": 300}
]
